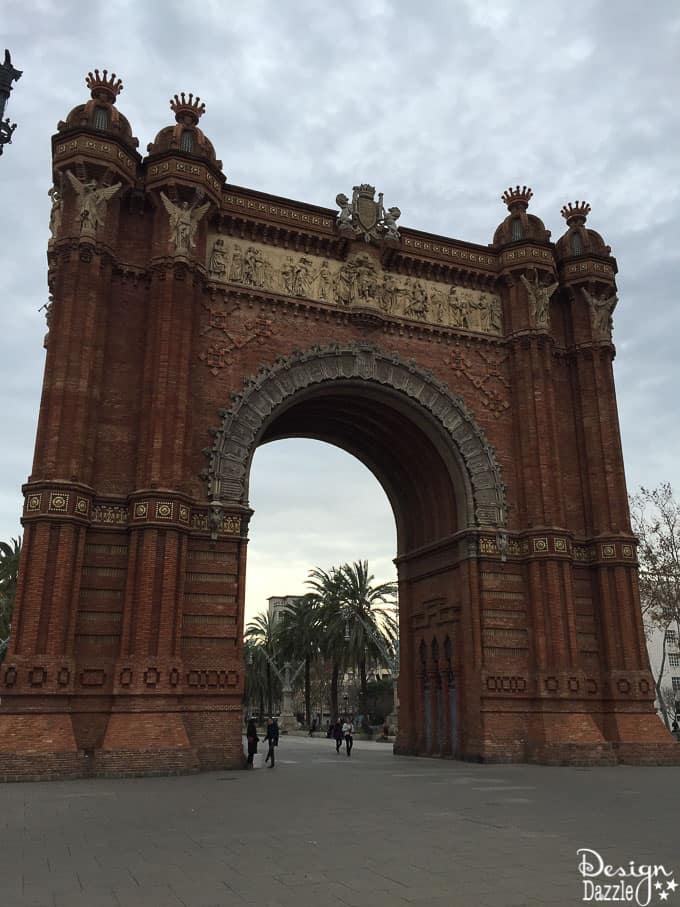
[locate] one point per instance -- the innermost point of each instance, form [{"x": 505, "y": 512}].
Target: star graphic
[
  {"x": 663, "y": 896},
  {"x": 658, "y": 885},
  {"x": 672, "y": 885}
]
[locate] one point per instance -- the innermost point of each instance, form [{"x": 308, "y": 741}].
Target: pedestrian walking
[
  {"x": 252, "y": 738},
  {"x": 337, "y": 735},
  {"x": 348, "y": 734},
  {"x": 272, "y": 738}
]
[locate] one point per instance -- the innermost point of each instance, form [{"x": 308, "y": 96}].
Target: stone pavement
[{"x": 323, "y": 829}]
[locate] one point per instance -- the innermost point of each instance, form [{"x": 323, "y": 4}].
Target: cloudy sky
[{"x": 440, "y": 105}]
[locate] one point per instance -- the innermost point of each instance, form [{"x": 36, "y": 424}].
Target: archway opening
[
  {"x": 317, "y": 508},
  {"x": 444, "y": 485},
  {"x": 419, "y": 471}
]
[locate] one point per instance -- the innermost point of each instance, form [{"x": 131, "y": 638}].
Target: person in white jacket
[{"x": 348, "y": 734}]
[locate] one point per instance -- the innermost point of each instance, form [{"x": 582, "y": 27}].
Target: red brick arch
[{"x": 475, "y": 381}]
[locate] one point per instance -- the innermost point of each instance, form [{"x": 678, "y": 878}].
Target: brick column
[{"x": 40, "y": 670}]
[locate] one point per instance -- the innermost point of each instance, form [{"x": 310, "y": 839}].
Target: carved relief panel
[{"x": 359, "y": 281}]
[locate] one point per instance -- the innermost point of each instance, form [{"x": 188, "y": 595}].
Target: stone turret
[
  {"x": 519, "y": 226},
  {"x": 100, "y": 114},
  {"x": 579, "y": 240},
  {"x": 181, "y": 160}
]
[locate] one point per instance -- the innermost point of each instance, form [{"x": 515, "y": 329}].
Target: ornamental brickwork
[{"x": 191, "y": 320}]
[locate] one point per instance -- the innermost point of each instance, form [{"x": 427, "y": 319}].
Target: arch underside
[{"x": 419, "y": 440}]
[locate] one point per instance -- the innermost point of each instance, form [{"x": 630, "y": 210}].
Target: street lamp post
[
  {"x": 287, "y": 679},
  {"x": 8, "y": 74},
  {"x": 391, "y": 659}
]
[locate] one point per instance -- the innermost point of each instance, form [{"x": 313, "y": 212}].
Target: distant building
[
  {"x": 670, "y": 678},
  {"x": 280, "y": 603}
]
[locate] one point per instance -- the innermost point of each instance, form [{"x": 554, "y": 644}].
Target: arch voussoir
[{"x": 244, "y": 423}]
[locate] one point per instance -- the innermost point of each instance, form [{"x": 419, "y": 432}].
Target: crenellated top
[
  {"x": 100, "y": 113},
  {"x": 579, "y": 240},
  {"x": 519, "y": 226}
]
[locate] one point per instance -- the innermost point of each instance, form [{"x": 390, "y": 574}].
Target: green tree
[
  {"x": 356, "y": 625},
  {"x": 262, "y": 632},
  {"x": 298, "y": 636},
  {"x": 365, "y": 615},
  {"x": 655, "y": 517},
  {"x": 255, "y": 687},
  {"x": 325, "y": 585},
  {"x": 10, "y": 555}
]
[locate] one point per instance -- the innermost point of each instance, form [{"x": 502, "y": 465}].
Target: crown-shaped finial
[
  {"x": 575, "y": 212},
  {"x": 517, "y": 199},
  {"x": 190, "y": 107},
  {"x": 111, "y": 86}
]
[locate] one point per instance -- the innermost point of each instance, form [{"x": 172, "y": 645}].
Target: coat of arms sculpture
[{"x": 366, "y": 217}]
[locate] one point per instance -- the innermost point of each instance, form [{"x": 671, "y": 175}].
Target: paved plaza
[{"x": 374, "y": 829}]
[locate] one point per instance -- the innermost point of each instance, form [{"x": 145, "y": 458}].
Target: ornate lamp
[{"x": 8, "y": 74}]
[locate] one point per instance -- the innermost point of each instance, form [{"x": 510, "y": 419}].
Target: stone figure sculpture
[
  {"x": 56, "y": 213},
  {"x": 256, "y": 269},
  {"x": 324, "y": 284},
  {"x": 184, "y": 220},
  {"x": 601, "y": 314},
  {"x": 236, "y": 269},
  {"x": 459, "y": 312},
  {"x": 345, "y": 216},
  {"x": 302, "y": 277},
  {"x": 92, "y": 200},
  {"x": 495, "y": 316},
  {"x": 390, "y": 218},
  {"x": 365, "y": 217},
  {"x": 417, "y": 308},
  {"x": 217, "y": 265},
  {"x": 539, "y": 300},
  {"x": 288, "y": 275}
]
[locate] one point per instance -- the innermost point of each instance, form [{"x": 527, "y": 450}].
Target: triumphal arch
[{"x": 191, "y": 320}]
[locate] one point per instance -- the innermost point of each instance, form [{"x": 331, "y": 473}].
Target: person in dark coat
[
  {"x": 272, "y": 738},
  {"x": 338, "y": 736},
  {"x": 251, "y": 735}
]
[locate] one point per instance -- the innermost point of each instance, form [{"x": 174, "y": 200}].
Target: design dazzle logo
[{"x": 632, "y": 884}]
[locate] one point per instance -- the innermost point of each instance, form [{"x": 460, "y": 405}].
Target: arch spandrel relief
[{"x": 357, "y": 282}]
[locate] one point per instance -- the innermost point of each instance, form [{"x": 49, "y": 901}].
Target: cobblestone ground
[{"x": 320, "y": 829}]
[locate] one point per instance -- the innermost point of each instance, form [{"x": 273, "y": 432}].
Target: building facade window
[
  {"x": 671, "y": 638},
  {"x": 676, "y": 684},
  {"x": 674, "y": 659},
  {"x": 576, "y": 244}
]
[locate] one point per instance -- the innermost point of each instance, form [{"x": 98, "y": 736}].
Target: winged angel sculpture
[
  {"x": 184, "y": 220},
  {"x": 92, "y": 199}
]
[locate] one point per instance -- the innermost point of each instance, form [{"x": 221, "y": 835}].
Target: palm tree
[
  {"x": 261, "y": 631},
  {"x": 9, "y": 572},
  {"x": 365, "y": 617},
  {"x": 255, "y": 687},
  {"x": 298, "y": 638},
  {"x": 326, "y": 594}
]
